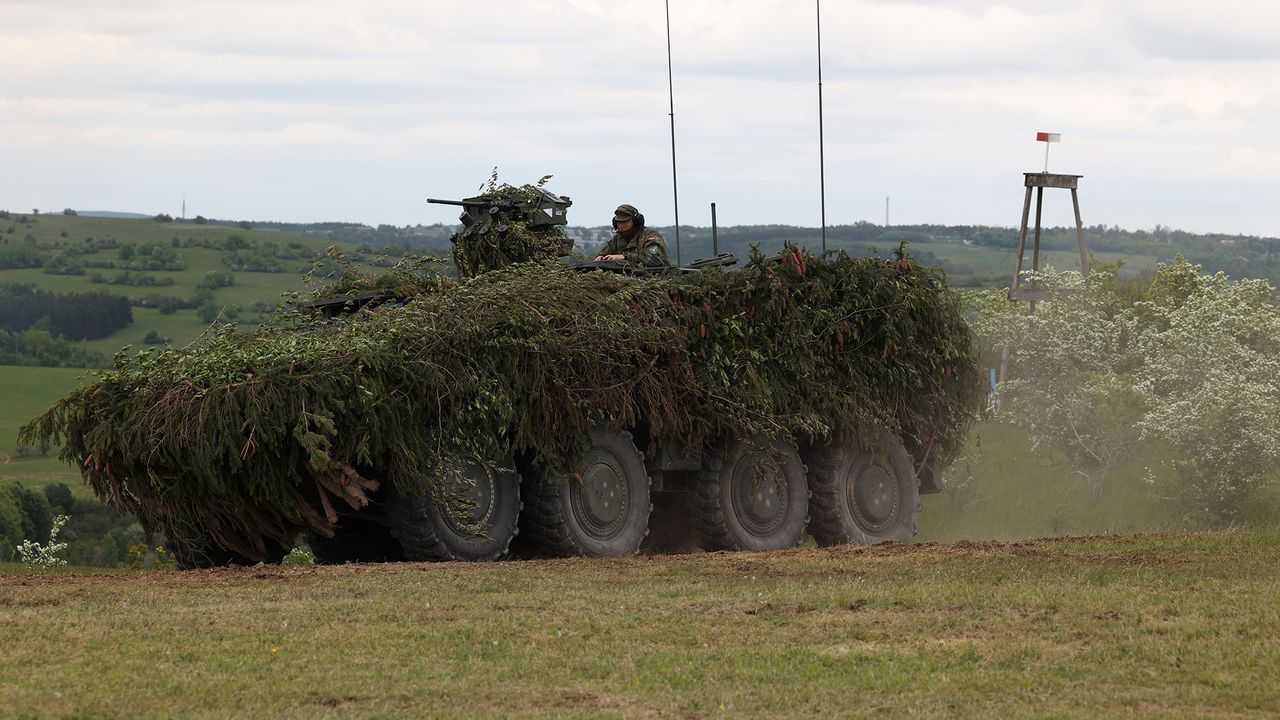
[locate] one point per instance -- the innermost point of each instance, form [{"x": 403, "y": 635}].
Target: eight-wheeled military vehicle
[
  {"x": 543, "y": 407},
  {"x": 630, "y": 490}
]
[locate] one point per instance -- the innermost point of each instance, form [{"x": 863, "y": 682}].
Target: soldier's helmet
[{"x": 627, "y": 212}]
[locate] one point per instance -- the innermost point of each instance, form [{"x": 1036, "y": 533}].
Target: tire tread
[
  {"x": 543, "y": 521},
  {"x": 827, "y": 523},
  {"x": 711, "y": 517}
]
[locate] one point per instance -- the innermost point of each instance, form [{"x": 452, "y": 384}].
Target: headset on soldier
[{"x": 631, "y": 214}]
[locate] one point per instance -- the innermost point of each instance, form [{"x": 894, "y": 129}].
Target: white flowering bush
[
  {"x": 36, "y": 555},
  {"x": 1184, "y": 376},
  {"x": 1211, "y": 350},
  {"x": 1071, "y": 379},
  {"x": 300, "y": 555}
]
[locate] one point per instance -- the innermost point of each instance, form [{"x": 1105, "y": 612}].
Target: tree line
[
  {"x": 96, "y": 535},
  {"x": 74, "y": 316},
  {"x": 39, "y": 348}
]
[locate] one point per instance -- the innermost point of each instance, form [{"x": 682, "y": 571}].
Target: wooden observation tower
[
  {"x": 1038, "y": 182},
  {"x": 1018, "y": 292}
]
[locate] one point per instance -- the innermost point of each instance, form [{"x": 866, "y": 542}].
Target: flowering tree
[
  {"x": 1070, "y": 377},
  {"x": 1211, "y": 360},
  {"x": 1185, "y": 375}
]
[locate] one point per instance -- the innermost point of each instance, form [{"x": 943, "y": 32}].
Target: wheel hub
[
  {"x": 758, "y": 496},
  {"x": 873, "y": 496},
  {"x": 475, "y": 486},
  {"x": 599, "y": 501}
]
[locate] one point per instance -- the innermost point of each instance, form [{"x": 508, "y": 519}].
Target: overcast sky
[{"x": 337, "y": 110}]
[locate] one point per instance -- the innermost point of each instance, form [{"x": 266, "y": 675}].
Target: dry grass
[{"x": 1137, "y": 626}]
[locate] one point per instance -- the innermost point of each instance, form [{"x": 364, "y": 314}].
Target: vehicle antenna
[
  {"x": 675, "y": 192},
  {"x": 822, "y": 170},
  {"x": 715, "y": 232}
]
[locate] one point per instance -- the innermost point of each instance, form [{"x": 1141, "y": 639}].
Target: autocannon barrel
[{"x": 460, "y": 203}]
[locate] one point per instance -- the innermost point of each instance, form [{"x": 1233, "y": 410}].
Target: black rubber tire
[
  {"x": 601, "y": 510},
  {"x": 863, "y": 497},
  {"x": 735, "y": 508},
  {"x": 428, "y": 530},
  {"x": 356, "y": 540}
]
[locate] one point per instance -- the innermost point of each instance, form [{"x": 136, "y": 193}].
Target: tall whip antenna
[
  {"x": 675, "y": 192},
  {"x": 822, "y": 168}
]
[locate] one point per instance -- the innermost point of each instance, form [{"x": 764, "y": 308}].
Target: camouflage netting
[{"x": 246, "y": 439}]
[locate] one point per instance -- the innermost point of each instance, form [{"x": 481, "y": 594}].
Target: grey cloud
[
  {"x": 1226, "y": 30},
  {"x": 338, "y": 111},
  {"x": 1174, "y": 112}
]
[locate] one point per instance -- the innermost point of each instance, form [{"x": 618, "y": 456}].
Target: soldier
[{"x": 634, "y": 242}]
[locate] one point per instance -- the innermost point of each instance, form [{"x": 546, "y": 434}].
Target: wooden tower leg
[
  {"x": 1035, "y": 252},
  {"x": 1084, "y": 256},
  {"x": 1022, "y": 244}
]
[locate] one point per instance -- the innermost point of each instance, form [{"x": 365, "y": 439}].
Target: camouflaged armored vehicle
[{"x": 563, "y": 407}]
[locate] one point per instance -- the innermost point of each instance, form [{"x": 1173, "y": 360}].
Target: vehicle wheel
[
  {"x": 356, "y": 540},
  {"x": 863, "y": 497},
  {"x": 602, "y": 509},
  {"x": 751, "y": 496},
  {"x": 428, "y": 528}
]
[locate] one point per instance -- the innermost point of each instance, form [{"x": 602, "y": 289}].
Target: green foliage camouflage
[
  {"x": 496, "y": 236},
  {"x": 247, "y": 439}
]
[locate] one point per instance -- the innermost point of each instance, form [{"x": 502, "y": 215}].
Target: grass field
[
  {"x": 1004, "y": 488},
  {"x": 1122, "y": 626},
  {"x": 183, "y": 325},
  {"x": 24, "y": 393}
]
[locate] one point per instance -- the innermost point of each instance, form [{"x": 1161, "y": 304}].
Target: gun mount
[
  {"x": 508, "y": 225},
  {"x": 533, "y": 206}
]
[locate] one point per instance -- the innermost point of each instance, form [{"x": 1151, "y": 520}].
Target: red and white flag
[{"x": 1048, "y": 137}]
